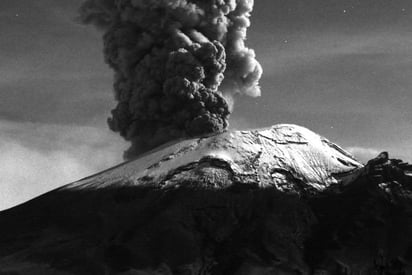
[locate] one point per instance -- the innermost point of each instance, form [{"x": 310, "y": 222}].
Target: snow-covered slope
[{"x": 281, "y": 156}]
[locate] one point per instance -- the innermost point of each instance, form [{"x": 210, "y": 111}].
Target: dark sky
[{"x": 341, "y": 68}]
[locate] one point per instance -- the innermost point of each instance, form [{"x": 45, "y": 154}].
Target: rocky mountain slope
[{"x": 280, "y": 200}]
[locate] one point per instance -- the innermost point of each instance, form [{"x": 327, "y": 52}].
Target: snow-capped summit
[{"x": 285, "y": 156}]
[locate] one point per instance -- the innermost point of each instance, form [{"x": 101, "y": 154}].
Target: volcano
[{"x": 278, "y": 200}]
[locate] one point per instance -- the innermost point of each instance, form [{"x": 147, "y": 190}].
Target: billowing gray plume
[{"x": 177, "y": 65}]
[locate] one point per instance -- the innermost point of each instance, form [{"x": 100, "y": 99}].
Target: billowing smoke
[{"x": 177, "y": 65}]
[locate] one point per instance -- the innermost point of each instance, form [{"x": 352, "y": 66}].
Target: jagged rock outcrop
[{"x": 281, "y": 200}]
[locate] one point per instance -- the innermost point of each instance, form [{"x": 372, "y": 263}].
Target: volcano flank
[{"x": 279, "y": 200}]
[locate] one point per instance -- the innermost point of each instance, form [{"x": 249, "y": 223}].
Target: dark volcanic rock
[
  {"x": 365, "y": 227},
  {"x": 208, "y": 216}
]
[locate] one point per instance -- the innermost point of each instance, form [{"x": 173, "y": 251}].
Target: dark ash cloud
[{"x": 177, "y": 65}]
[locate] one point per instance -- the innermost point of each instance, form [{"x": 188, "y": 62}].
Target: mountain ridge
[{"x": 292, "y": 203}]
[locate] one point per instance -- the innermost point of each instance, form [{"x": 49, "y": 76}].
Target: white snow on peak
[{"x": 276, "y": 156}]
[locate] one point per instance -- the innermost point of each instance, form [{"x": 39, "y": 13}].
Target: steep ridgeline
[{"x": 280, "y": 200}]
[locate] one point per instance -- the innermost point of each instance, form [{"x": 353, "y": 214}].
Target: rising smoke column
[{"x": 177, "y": 65}]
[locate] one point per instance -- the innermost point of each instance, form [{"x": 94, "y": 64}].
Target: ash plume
[{"x": 177, "y": 65}]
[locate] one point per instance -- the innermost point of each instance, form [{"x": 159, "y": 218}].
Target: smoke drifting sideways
[{"x": 177, "y": 65}]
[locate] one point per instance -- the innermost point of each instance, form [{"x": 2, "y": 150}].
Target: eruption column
[{"x": 177, "y": 65}]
